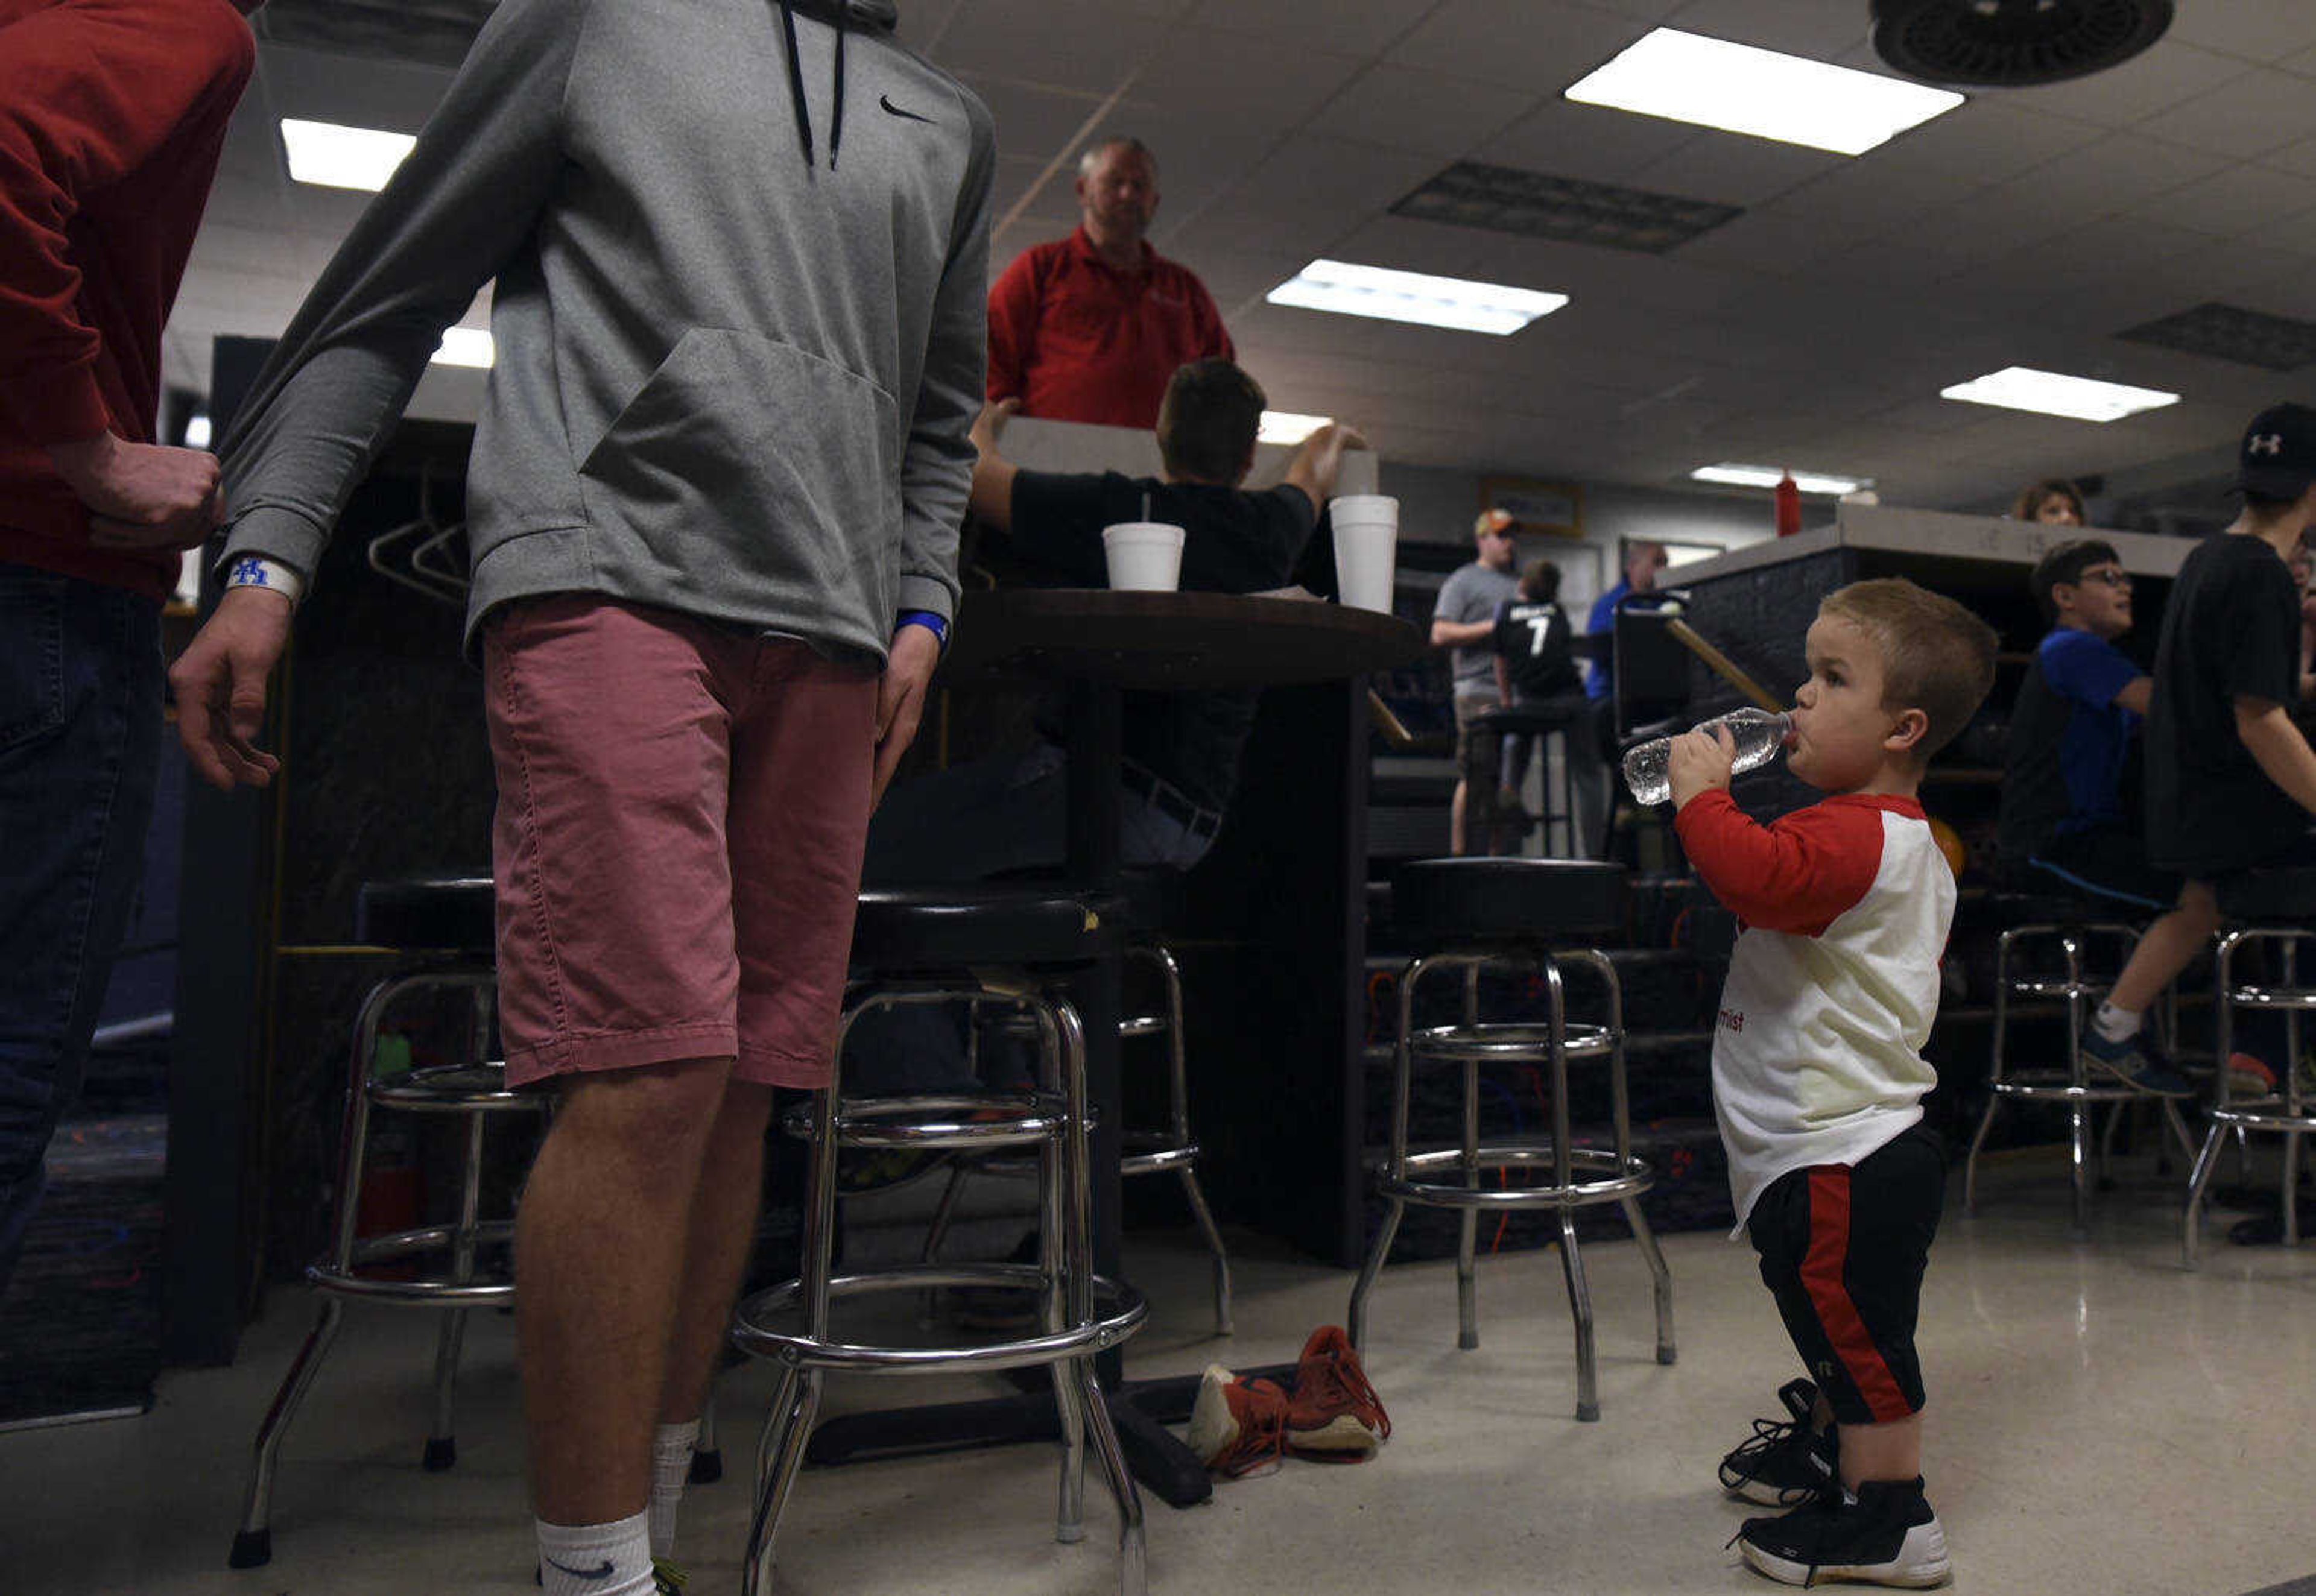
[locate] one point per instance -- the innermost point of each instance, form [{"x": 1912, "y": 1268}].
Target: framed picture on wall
[{"x": 1545, "y": 509}]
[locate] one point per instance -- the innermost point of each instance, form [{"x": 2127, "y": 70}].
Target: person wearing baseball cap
[
  {"x": 2230, "y": 780},
  {"x": 1465, "y": 621}
]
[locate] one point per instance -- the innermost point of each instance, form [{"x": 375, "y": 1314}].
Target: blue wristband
[{"x": 936, "y": 625}]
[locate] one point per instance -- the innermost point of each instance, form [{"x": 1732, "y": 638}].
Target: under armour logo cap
[{"x": 2278, "y": 458}]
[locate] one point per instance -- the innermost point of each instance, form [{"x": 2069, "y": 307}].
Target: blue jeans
[{"x": 80, "y": 742}]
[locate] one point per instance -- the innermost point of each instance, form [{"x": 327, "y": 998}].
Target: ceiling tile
[
  {"x": 2251, "y": 115},
  {"x": 1859, "y": 199},
  {"x": 1539, "y": 47},
  {"x": 1082, "y": 46},
  {"x": 1231, "y": 82},
  {"x": 2148, "y": 83},
  {"x": 1427, "y": 111},
  {"x": 1033, "y": 124},
  {"x": 2262, "y": 30},
  {"x": 2238, "y": 200},
  {"x": 1587, "y": 142},
  {"x": 1811, "y": 28},
  {"x": 1735, "y": 170},
  {"x": 1982, "y": 140},
  {"x": 1348, "y": 27}
]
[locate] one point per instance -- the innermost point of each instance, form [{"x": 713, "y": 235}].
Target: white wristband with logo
[{"x": 255, "y": 571}]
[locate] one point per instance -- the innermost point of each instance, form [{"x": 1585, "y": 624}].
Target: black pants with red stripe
[{"x": 1843, "y": 1248}]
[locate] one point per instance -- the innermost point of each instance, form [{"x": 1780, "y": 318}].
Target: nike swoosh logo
[
  {"x": 586, "y": 1573},
  {"x": 897, "y": 111}
]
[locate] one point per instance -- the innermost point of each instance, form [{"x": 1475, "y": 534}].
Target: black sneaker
[
  {"x": 2135, "y": 1062},
  {"x": 1888, "y": 1536},
  {"x": 1784, "y": 1464}
]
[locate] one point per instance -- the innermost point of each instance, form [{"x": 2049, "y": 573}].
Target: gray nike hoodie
[{"x": 740, "y": 326}]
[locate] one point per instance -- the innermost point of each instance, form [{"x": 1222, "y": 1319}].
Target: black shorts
[
  {"x": 1842, "y": 1250},
  {"x": 2106, "y": 862}
]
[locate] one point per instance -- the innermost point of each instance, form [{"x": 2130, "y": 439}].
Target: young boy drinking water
[{"x": 1817, "y": 1067}]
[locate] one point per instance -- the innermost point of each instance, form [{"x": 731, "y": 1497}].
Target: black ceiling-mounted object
[{"x": 2011, "y": 44}]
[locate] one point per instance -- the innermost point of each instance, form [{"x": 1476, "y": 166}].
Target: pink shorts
[{"x": 681, "y": 815}]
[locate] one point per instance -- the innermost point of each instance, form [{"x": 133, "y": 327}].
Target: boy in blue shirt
[{"x": 2073, "y": 732}]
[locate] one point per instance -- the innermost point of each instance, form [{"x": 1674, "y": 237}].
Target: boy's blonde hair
[{"x": 1937, "y": 656}]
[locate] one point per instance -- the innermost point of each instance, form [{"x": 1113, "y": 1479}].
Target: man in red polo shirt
[
  {"x": 112, "y": 113},
  {"x": 1091, "y": 327}
]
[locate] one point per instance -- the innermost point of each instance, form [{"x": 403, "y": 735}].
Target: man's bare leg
[
  {"x": 599, "y": 1244},
  {"x": 715, "y": 1255}
]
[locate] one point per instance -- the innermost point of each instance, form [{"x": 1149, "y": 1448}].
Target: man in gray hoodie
[{"x": 741, "y": 253}]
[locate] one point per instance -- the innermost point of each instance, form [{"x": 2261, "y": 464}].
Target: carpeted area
[{"x": 80, "y": 1322}]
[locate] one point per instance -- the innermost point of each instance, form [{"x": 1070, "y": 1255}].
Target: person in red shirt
[
  {"x": 112, "y": 114},
  {"x": 1092, "y": 327}
]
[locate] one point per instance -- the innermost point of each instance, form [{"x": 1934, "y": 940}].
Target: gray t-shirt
[{"x": 1471, "y": 594}]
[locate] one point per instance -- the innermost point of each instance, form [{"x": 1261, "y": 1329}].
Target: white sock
[
  {"x": 2117, "y": 1025},
  {"x": 611, "y": 1559},
  {"x": 671, "y": 1471}
]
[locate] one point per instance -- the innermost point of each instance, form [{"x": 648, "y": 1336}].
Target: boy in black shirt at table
[
  {"x": 1536, "y": 668},
  {"x": 2230, "y": 780}
]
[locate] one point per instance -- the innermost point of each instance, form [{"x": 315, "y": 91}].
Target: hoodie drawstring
[
  {"x": 796, "y": 88},
  {"x": 836, "y": 121}
]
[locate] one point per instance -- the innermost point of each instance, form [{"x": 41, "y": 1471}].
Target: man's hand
[
  {"x": 900, "y": 701},
  {"x": 220, "y": 682},
  {"x": 990, "y": 424},
  {"x": 1700, "y": 764},
  {"x": 142, "y": 495}
]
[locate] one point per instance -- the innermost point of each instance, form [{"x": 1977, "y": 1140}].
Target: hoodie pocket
[{"x": 751, "y": 478}]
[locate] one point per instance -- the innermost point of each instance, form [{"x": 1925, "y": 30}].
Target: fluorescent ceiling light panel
[
  {"x": 1349, "y": 289},
  {"x": 1766, "y": 476},
  {"x": 467, "y": 346},
  {"x": 199, "y": 432},
  {"x": 1737, "y": 88},
  {"x": 337, "y": 157},
  {"x": 1284, "y": 426},
  {"x": 2053, "y": 393}
]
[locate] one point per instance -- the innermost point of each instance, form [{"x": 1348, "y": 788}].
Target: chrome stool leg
[
  {"x": 707, "y": 1456},
  {"x": 252, "y": 1545},
  {"x": 1179, "y": 1130},
  {"x": 1994, "y": 1070},
  {"x": 1396, "y": 1164},
  {"x": 1077, "y": 1163},
  {"x": 441, "y": 1443},
  {"x": 1058, "y": 1266},
  {"x": 1580, "y": 1308},
  {"x": 1468, "y": 1235},
  {"x": 2191, "y": 1223}
]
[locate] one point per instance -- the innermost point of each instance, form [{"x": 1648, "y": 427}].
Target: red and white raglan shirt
[{"x": 1817, "y": 1054}]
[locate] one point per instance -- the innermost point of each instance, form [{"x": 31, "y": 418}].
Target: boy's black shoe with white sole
[
  {"x": 1784, "y": 1465},
  {"x": 1887, "y": 1535}
]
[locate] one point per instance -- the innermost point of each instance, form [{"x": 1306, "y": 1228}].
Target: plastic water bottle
[{"x": 1758, "y": 732}]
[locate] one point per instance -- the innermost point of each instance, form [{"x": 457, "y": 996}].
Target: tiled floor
[{"x": 2101, "y": 1421}]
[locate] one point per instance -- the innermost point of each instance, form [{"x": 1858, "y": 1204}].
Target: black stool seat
[
  {"x": 1506, "y": 900},
  {"x": 2270, "y": 897},
  {"x": 946, "y": 928},
  {"x": 452, "y": 913},
  {"x": 1152, "y": 894}
]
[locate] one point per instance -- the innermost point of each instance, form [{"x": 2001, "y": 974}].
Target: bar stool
[
  {"x": 914, "y": 947},
  {"x": 442, "y": 928},
  {"x": 1506, "y": 913},
  {"x": 2277, "y": 908},
  {"x": 2069, "y": 930},
  {"x": 1551, "y": 721},
  {"x": 1152, "y": 900}
]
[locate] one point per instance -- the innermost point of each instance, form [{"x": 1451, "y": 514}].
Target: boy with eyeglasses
[{"x": 2067, "y": 817}]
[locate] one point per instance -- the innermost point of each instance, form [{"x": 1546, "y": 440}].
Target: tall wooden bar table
[{"x": 1098, "y": 644}]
